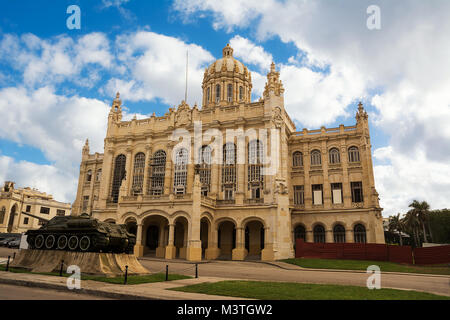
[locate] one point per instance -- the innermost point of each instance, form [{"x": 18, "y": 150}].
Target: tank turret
[{"x": 81, "y": 233}]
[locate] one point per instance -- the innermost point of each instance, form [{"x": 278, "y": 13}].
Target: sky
[{"x": 57, "y": 83}]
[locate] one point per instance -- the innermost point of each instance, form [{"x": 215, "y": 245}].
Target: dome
[{"x": 228, "y": 62}]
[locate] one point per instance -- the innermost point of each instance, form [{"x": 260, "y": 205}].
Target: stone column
[
  {"x": 239, "y": 253},
  {"x": 309, "y": 236},
  {"x": 213, "y": 251},
  {"x": 148, "y": 158},
  {"x": 267, "y": 254},
  {"x": 215, "y": 179},
  {"x": 194, "y": 250},
  {"x": 129, "y": 174},
  {"x": 349, "y": 236},
  {"x": 190, "y": 170},
  {"x": 240, "y": 167},
  {"x": 329, "y": 236},
  {"x": 346, "y": 191},
  {"x": 107, "y": 171},
  {"x": 170, "y": 249},
  {"x": 326, "y": 183},
  {"x": 307, "y": 187},
  {"x": 168, "y": 187},
  {"x": 138, "y": 247}
]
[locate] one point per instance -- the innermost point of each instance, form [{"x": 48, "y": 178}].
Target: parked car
[
  {"x": 14, "y": 244},
  {"x": 4, "y": 243}
]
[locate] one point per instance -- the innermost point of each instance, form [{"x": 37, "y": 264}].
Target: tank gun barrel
[{"x": 33, "y": 216}]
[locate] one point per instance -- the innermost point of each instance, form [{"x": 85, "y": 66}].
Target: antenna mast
[{"x": 187, "y": 63}]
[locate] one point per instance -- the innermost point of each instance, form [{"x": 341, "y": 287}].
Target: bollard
[
  {"x": 196, "y": 270},
  {"x": 7, "y": 263},
  {"x": 126, "y": 275},
  {"x": 167, "y": 272},
  {"x": 61, "y": 268}
]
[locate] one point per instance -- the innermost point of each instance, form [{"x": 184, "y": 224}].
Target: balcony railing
[{"x": 254, "y": 201}]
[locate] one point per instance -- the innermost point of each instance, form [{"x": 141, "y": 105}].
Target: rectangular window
[
  {"x": 336, "y": 193},
  {"x": 25, "y": 220},
  {"x": 256, "y": 193},
  {"x": 241, "y": 93},
  {"x": 228, "y": 193},
  {"x": 45, "y": 210},
  {"x": 317, "y": 194},
  {"x": 357, "y": 192},
  {"x": 85, "y": 204},
  {"x": 60, "y": 212},
  {"x": 299, "y": 193},
  {"x": 28, "y": 209}
]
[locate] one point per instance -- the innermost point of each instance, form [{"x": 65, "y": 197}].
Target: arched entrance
[
  {"x": 155, "y": 233},
  {"x": 181, "y": 237},
  {"x": 254, "y": 239},
  {"x": 204, "y": 235},
  {"x": 226, "y": 239},
  {"x": 152, "y": 240},
  {"x": 12, "y": 216}
]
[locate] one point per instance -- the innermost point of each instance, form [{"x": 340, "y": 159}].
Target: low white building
[{"x": 13, "y": 202}]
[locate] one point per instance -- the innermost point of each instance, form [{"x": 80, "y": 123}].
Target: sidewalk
[{"x": 147, "y": 291}]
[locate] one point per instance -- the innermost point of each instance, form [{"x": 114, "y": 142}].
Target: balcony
[
  {"x": 225, "y": 202},
  {"x": 254, "y": 201}
]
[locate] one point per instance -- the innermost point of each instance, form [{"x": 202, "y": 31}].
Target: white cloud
[
  {"x": 44, "y": 62},
  {"x": 47, "y": 178},
  {"x": 248, "y": 52},
  {"x": 156, "y": 66},
  {"x": 57, "y": 125}
]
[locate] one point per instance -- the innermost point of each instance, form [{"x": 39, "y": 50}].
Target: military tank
[{"x": 81, "y": 233}]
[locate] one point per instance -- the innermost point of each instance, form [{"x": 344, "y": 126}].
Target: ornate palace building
[{"x": 246, "y": 189}]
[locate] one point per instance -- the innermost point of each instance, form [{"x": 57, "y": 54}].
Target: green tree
[
  {"x": 412, "y": 225},
  {"x": 397, "y": 225},
  {"x": 421, "y": 211}
]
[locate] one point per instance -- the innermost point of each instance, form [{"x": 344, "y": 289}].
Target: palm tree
[
  {"x": 412, "y": 224},
  {"x": 396, "y": 224},
  {"x": 422, "y": 210}
]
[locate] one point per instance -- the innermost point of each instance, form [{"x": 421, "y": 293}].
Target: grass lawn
[
  {"x": 156, "y": 277},
  {"x": 300, "y": 291},
  {"x": 363, "y": 264}
]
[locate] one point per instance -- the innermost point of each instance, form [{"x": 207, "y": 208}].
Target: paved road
[
  {"x": 9, "y": 292},
  {"x": 261, "y": 271}
]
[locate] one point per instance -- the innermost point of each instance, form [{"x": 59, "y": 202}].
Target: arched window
[
  {"x": 180, "y": 171},
  {"x": 138, "y": 174},
  {"x": 230, "y": 93},
  {"x": 339, "y": 233},
  {"x": 119, "y": 175},
  {"x": 241, "y": 93},
  {"x": 359, "y": 232},
  {"x": 334, "y": 156},
  {"x": 319, "y": 234},
  {"x": 204, "y": 169},
  {"x": 98, "y": 175},
  {"x": 300, "y": 233},
  {"x": 255, "y": 168},
  {"x": 297, "y": 159},
  {"x": 217, "y": 92},
  {"x": 353, "y": 154},
  {"x": 208, "y": 95},
  {"x": 89, "y": 176},
  {"x": 316, "y": 159},
  {"x": 157, "y": 172},
  {"x": 2, "y": 215},
  {"x": 229, "y": 170}
]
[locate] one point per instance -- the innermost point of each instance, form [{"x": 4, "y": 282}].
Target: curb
[
  {"x": 92, "y": 292},
  {"x": 356, "y": 271},
  {"x": 173, "y": 260}
]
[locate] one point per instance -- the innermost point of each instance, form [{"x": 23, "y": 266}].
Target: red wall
[
  {"x": 354, "y": 251},
  {"x": 432, "y": 255}
]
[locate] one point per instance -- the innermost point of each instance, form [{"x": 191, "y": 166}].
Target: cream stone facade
[
  {"x": 234, "y": 178},
  {"x": 13, "y": 202}
]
